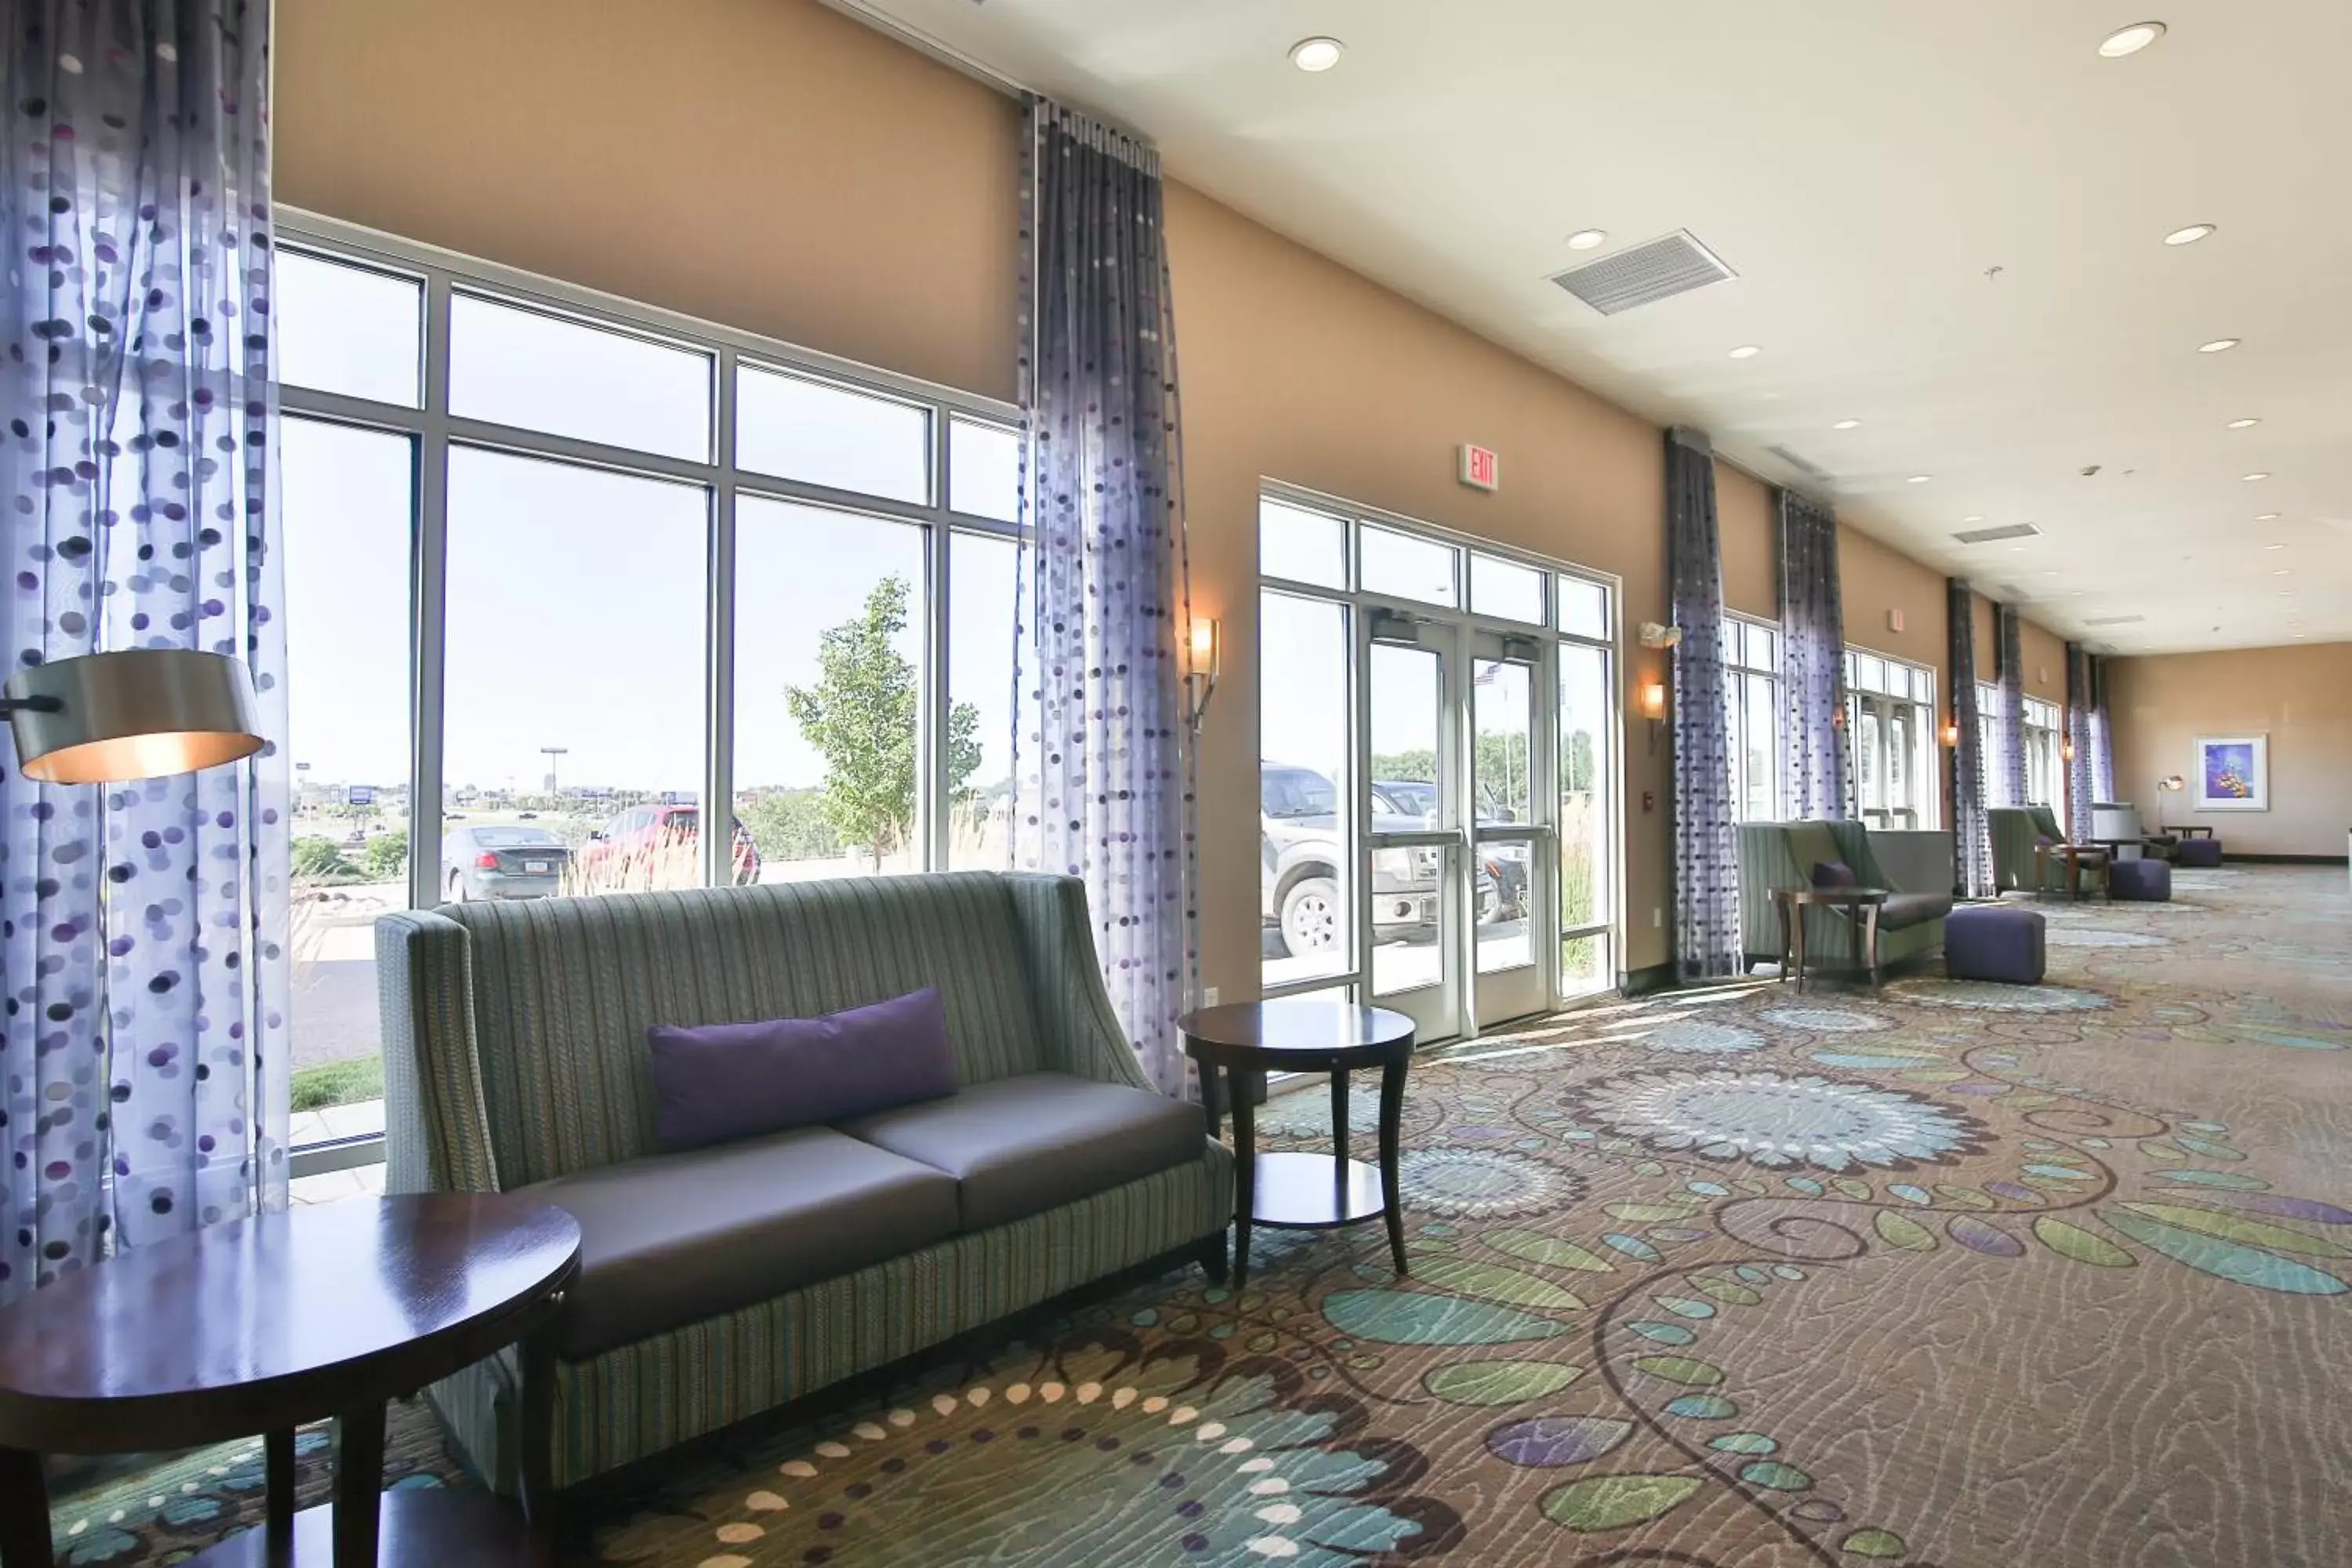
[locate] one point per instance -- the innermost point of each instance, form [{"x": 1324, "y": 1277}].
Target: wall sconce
[
  {"x": 2069, "y": 749},
  {"x": 1652, "y": 702},
  {"x": 1952, "y": 736},
  {"x": 1205, "y": 656}
]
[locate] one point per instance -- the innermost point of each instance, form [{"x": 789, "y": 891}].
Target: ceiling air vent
[
  {"x": 1644, "y": 274},
  {"x": 1802, "y": 465},
  {"x": 1994, "y": 535},
  {"x": 2112, "y": 620}
]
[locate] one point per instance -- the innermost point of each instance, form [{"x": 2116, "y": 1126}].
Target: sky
[{"x": 576, "y": 597}]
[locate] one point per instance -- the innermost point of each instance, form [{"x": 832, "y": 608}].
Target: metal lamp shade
[{"x": 136, "y": 714}]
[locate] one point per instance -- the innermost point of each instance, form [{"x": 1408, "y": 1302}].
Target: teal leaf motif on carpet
[
  {"x": 2224, "y": 1259},
  {"x": 1415, "y": 1317}
]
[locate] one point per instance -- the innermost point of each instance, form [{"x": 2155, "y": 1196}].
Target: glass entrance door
[
  {"x": 1414, "y": 847},
  {"x": 1512, "y": 829}
]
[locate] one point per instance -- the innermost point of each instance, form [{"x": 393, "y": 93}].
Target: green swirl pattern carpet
[{"x": 1960, "y": 1274}]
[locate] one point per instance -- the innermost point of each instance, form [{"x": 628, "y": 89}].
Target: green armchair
[
  {"x": 1778, "y": 854},
  {"x": 2020, "y": 860}
]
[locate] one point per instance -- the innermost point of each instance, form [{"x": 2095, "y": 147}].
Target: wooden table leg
[
  {"x": 359, "y": 1485},
  {"x": 1782, "y": 905},
  {"x": 1392, "y": 1126},
  {"x": 24, "y": 1511},
  {"x": 1244, "y": 1171},
  {"x": 1876, "y": 981},
  {"x": 1798, "y": 926},
  {"x": 1339, "y": 1138},
  {"x": 277, "y": 1461},
  {"x": 535, "y": 1474}
]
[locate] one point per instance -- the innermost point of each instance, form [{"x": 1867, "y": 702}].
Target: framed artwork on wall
[{"x": 2233, "y": 773}]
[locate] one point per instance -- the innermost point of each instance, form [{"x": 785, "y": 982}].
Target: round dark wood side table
[
  {"x": 264, "y": 1323},
  {"x": 1301, "y": 1191}
]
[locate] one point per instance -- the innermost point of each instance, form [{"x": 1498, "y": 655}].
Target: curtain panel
[
  {"x": 1103, "y": 762},
  {"x": 1813, "y": 658},
  {"x": 2102, "y": 739},
  {"x": 2009, "y": 787},
  {"x": 144, "y": 1068},
  {"x": 1972, "y": 830},
  {"x": 2082, "y": 787},
  {"x": 1707, "y": 868}
]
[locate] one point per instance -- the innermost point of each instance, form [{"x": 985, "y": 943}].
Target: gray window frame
[{"x": 433, "y": 431}]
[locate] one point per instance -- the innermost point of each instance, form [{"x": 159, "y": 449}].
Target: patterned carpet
[{"x": 1960, "y": 1275}]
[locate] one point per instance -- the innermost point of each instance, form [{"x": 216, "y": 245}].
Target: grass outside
[{"x": 339, "y": 1083}]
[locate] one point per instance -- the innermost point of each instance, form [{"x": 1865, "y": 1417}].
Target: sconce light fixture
[
  {"x": 1952, "y": 735},
  {"x": 1206, "y": 654},
  {"x": 1651, "y": 702},
  {"x": 2069, "y": 749}
]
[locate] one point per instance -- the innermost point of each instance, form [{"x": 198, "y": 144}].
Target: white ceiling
[{"x": 1863, "y": 166}]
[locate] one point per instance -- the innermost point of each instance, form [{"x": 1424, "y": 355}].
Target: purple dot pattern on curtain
[
  {"x": 2082, "y": 787},
  {"x": 2102, "y": 732},
  {"x": 1103, "y": 766},
  {"x": 1813, "y": 658},
  {"x": 1706, "y": 862},
  {"x": 142, "y": 1060},
  {"x": 2009, "y": 719},
  {"x": 1971, "y": 829}
]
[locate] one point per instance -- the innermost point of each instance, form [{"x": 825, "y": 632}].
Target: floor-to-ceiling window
[
  {"x": 1751, "y": 695},
  {"x": 1891, "y": 716},
  {"x": 584, "y": 597},
  {"x": 1436, "y": 737},
  {"x": 2045, "y": 766}
]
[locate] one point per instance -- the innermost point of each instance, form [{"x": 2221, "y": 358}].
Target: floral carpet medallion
[{"x": 1951, "y": 1276}]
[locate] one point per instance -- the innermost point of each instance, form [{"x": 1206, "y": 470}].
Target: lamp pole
[{"x": 552, "y": 753}]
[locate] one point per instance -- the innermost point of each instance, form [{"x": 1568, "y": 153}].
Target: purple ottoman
[
  {"x": 2201, "y": 852},
  {"x": 2143, "y": 881},
  {"x": 1994, "y": 942}
]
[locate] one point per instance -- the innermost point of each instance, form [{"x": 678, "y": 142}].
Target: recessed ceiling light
[
  {"x": 1317, "y": 53},
  {"x": 1747, "y": 351},
  {"x": 2273, "y": 547},
  {"x": 2269, "y": 517},
  {"x": 2250, "y": 478},
  {"x": 2130, "y": 40},
  {"x": 2241, "y": 423},
  {"x": 1973, "y": 517},
  {"x": 1588, "y": 239},
  {"x": 2218, "y": 346},
  {"x": 2284, "y": 572},
  {"x": 1846, "y": 424},
  {"x": 2189, "y": 236},
  {"x": 1918, "y": 478}
]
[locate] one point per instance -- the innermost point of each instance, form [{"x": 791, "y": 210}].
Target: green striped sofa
[
  {"x": 515, "y": 1058},
  {"x": 1776, "y": 855}
]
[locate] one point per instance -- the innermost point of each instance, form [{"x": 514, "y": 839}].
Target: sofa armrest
[
  {"x": 1081, "y": 1033},
  {"x": 436, "y": 1120}
]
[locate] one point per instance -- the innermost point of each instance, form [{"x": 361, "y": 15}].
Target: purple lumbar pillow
[
  {"x": 717, "y": 1082},
  {"x": 1833, "y": 874}
]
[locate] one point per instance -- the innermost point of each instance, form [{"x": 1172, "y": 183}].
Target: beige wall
[
  {"x": 2301, "y": 697},
  {"x": 766, "y": 164},
  {"x": 773, "y": 166}
]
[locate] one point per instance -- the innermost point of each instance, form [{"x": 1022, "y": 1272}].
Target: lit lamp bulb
[
  {"x": 1952, "y": 735},
  {"x": 1205, "y": 653}
]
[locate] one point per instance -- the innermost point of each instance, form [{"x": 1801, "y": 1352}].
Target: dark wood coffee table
[
  {"x": 1861, "y": 907},
  {"x": 264, "y": 1323},
  {"x": 1291, "y": 1191}
]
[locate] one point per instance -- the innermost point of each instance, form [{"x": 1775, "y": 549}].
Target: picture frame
[{"x": 2233, "y": 772}]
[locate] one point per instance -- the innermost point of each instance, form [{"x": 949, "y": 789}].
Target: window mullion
[
  {"x": 429, "y": 605},
  {"x": 718, "y": 833}
]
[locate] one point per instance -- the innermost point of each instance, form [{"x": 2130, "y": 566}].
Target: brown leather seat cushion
[
  {"x": 1022, "y": 1145},
  {"x": 1904, "y": 909},
  {"x": 674, "y": 1239}
]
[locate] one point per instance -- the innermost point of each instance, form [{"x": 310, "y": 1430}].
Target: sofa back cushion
[
  {"x": 565, "y": 990},
  {"x": 714, "y": 1083},
  {"x": 1811, "y": 844}
]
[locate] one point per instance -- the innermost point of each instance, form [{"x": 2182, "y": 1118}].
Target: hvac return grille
[
  {"x": 1994, "y": 535},
  {"x": 1644, "y": 274}
]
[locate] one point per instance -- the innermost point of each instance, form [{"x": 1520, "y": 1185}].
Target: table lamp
[{"x": 139, "y": 713}]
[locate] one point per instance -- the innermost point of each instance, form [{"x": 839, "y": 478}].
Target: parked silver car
[{"x": 500, "y": 860}]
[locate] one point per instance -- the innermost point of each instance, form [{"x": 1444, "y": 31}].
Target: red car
[{"x": 649, "y": 847}]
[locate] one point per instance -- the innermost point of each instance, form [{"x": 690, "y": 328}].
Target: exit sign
[{"x": 1481, "y": 469}]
